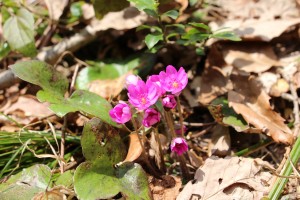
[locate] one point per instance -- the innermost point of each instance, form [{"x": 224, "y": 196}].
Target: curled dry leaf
[
  {"x": 252, "y": 103},
  {"x": 135, "y": 148},
  {"x": 227, "y": 179}
]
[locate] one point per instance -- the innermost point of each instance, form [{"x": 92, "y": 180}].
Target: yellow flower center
[
  {"x": 143, "y": 100},
  {"x": 175, "y": 84}
]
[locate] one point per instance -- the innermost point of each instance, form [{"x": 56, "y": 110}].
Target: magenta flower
[
  {"x": 169, "y": 101},
  {"x": 120, "y": 113},
  {"x": 143, "y": 95},
  {"x": 179, "y": 146},
  {"x": 151, "y": 117},
  {"x": 173, "y": 81},
  {"x": 132, "y": 79},
  {"x": 155, "y": 79}
]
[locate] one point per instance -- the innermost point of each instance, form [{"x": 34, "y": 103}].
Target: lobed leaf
[{"x": 18, "y": 30}]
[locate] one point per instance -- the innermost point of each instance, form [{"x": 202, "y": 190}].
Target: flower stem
[
  {"x": 180, "y": 115},
  {"x": 184, "y": 169},
  {"x": 162, "y": 160}
]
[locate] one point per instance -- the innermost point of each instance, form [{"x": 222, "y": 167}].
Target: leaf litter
[{"x": 227, "y": 73}]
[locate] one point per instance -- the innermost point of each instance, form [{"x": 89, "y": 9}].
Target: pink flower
[
  {"x": 120, "y": 113},
  {"x": 143, "y": 95},
  {"x": 173, "y": 81},
  {"x": 155, "y": 79},
  {"x": 151, "y": 117},
  {"x": 179, "y": 146},
  {"x": 169, "y": 101},
  {"x": 132, "y": 79}
]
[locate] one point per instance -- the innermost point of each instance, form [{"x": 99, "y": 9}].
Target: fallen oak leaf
[
  {"x": 252, "y": 103},
  {"x": 228, "y": 178}
]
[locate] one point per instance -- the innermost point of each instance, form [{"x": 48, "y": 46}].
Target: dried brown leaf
[
  {"x": 220, "y": 141},
  {"x": 252, "y": 103},
  {"x": 250, "y": 56},
  {"x": 213, "y": 84},
  {"x": 108, "y": 88},
  {"x": 56, "y": 8},
  {"x": 166, "y": 188},
  {"x": 135, "y": 148},
  {"x": 227, "y": 179}
]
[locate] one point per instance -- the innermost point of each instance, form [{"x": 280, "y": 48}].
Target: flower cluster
[{"x": 143, "y": 95}]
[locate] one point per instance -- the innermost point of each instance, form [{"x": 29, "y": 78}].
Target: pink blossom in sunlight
[
  {"x": 179, "y": 146},
  {"x": 169, "y": 101},
  {"x": 155, "y": 79},
  {"x": 172, "y": 80},
  {"x": 120, "y": 113},
  {"x": 132, "y": 79},
  {"x": 143, "y": 95},
  {"x": 151, "y": 117}
]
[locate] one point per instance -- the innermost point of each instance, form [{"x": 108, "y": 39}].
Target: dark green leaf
[
  {"x": 102, "y": 7},
  {"x": 200, "y": 51},
  {"x": 172, "y": 14},
  {"x": 18, "y": 30},
  {"x": 152, "y": 39},
  {"x": 102, "y": 148},
  {"x": 134, "y": 182}
]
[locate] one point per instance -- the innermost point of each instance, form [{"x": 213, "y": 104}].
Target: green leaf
[
  {"x": 104, "y": 71},
  {"x": 84, "y": 101},
  {"x": 55, "y": 85},
  {"x": 200, "y": 25},
  {"x": 152, "y": 39},
  {"x": 97, "y": 178},
  {"x": 4, "y": 50},
  {"x": 142, "y": 27},
  {"x": 65, "y": 179},
  {"x": 102, "y": 7},
  {"x": 76, "y": 9},
  {"x": 18, "y": 30},
  {"x": 200, "y": 51},
  {"x": 101, "y": 142},
  {"x": 227, "y": 35},
  {"x": 26, "y": 184},
  {"x": 225, "y": 115},
  {"x": 172, "y": 14},
  {"x": 194, "y": 35},
  {"x": 42, "y": 74},
  {"x": 134, "y": 182},
  {"x": 143, "y": 5}
]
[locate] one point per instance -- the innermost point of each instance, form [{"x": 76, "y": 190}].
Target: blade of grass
[{"x": 280, "y": 183}]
